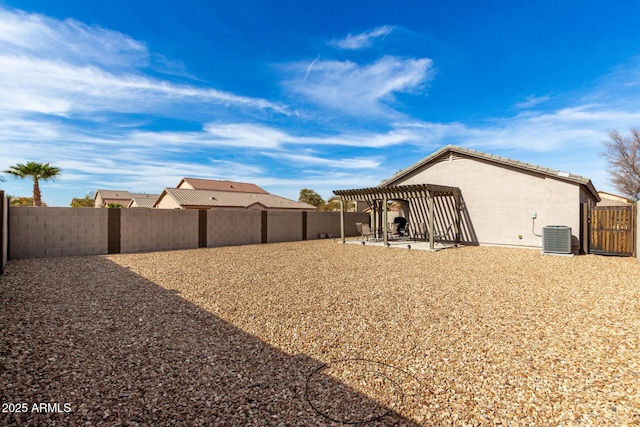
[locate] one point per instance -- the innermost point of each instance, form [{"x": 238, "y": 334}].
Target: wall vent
[{"x": 556, "y": 239}]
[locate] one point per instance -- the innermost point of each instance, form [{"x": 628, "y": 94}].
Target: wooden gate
[{"x": 612, "y": 230}]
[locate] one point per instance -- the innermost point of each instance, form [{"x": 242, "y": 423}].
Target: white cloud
[
  {"x": 363, "y": 139},
  {"x": 360, "y": 90},
  {"x": 66, "y": 67},
  {"x": 362, "y": 40},
  {"x": 582, "y": 126},
  {"x": 353, "y": 163},
  {"x": 245, "y": 135},
  {"x": 251, "y": 135},
  {"x": 532, "y": 101},
  {"x": 54, "y": 87},
  {"x": 226, "y": 169},
  {"x": 35, "y": 35}
]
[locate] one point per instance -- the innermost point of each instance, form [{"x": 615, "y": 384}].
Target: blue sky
[{"x": 324, "y": 95}]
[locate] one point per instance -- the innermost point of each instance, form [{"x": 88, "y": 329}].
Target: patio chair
[
  {"x": 422, "y": 232},
  {"x": 407, "y": 231},
  {"x": 392, "y": 230},
  {"x": 359, "y": 227},
  {"x": 366, "y": 231},
  {"x": 438, "y": 237}
]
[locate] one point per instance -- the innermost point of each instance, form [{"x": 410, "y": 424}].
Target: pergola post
[
  {"x": 456, "y": 195},
  {"x": 378, "y": 218},
  {"x": 342, "y": 219},
  {"x": 384, "y": 225},
  {"x": 374, "y": 214},
  {"x": 430, "y": 203}
]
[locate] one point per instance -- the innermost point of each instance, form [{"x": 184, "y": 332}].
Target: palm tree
[{"x": 35, "y": 171}]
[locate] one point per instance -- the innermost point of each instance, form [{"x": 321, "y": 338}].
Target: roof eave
[{"x": 155, "y": 204}]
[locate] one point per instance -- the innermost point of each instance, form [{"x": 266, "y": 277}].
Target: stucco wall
[
  {"x": 156, "y": 229},
  {"x": 562, "y": 207},
  {"x": 167, "y": 202},
  {"x": 231, "y": 227},
  {"x": 500, "y": 201},
  {"x": 44, "y": 232}
]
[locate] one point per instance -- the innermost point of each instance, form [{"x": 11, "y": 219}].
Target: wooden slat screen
[{"x": 612, "y": 230}]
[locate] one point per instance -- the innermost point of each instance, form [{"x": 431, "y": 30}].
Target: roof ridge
[
  {"x": 221, "y": 198},
  {"x": 578, "y": 179},
  {"x": 504, "y": 159},
  {"x": 219, "y": 191}
]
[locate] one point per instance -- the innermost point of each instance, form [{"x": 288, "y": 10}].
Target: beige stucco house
[
  {"x": 196, "y": 193},
  {"x": 503, "y": 201},
  {"x": 609, "y": 199},
  {"x": 142, "y": 200},
  {"x": 219, "y": 185},
  {"x": 104, "y": 197},
  {"x": 122, "y": 198}
]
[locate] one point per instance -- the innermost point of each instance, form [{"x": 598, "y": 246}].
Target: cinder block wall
[
  {"x": 284, "y": 226},
  {"x": 638, "y": 230},
  {"x": 329, "y": 222},
  {"x": 233, "y": 227},
  {"x": 143, "y": 230},
  {"x": 45, "y": 232}
]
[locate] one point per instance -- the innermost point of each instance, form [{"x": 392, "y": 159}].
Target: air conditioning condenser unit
[{"x": 556, "y": 239}]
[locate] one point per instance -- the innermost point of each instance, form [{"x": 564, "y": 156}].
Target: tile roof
[
  {"x": 114, "y": 194},
  {"x": 143, "y": 200},
  {"x": 563, "y": 176},
  {"x": 211, "y": 198},
  {"x": 221, "y": 185}
]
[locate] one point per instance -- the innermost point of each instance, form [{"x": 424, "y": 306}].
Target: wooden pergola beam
[{"x": 413, "y": 191}]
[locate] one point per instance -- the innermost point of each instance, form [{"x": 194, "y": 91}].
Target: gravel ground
[{"x": 319, "y": 333}]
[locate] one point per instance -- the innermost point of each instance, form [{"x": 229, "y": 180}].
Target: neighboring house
[
  {"x": 504, "y": 201},
  {"x": 197, "y": 193},
  {"x": 181, "y": 198},
  {"x": 105, "y": 197},
  {"x": 608, "y": 199},
  {"x": 122, "y": 198},
  {"x": 219, "y": 185},
  {"x": 142, "y": 200}
]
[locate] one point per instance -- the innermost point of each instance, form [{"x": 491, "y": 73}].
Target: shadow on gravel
[{"x": 121, "y": 350}]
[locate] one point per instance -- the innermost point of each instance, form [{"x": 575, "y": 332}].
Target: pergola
[{"x": 402, "y": 192}]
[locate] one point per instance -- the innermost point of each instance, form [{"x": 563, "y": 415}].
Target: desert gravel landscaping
[{"x": 320, "y": 333}]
